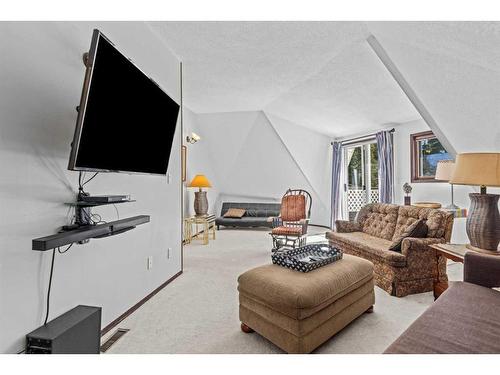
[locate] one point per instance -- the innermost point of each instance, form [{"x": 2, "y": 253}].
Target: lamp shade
[
  {"x": 477, "y": 169},
  {"x": 444, "y": 170},
  {"x": 200, "y": 181}
]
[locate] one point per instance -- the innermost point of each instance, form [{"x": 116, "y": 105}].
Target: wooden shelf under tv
[{"x": 87, "y": 232}]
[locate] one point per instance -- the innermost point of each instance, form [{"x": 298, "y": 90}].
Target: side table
[
  {"x": 208, "y": 225},
  {"x": 188, "y": 230},
  {"x": 454, "y": 252}
]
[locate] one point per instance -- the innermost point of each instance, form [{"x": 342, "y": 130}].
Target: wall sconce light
[{"x": 193, "y": 138}]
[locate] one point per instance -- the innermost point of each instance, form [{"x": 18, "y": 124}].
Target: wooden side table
[
  {"x": 454, "y": 252},
  {"x": 188, "y": 230},
  {"x": 208, "y": 225}
]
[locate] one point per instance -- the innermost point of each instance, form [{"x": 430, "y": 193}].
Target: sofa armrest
[
  {"x": 422, "y": 259},
  {"x": 344, "y": 226},
  {"x": 412, "y": 245},
  {"x": 482, "y": 269}
]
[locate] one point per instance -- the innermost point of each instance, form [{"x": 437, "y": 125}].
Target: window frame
[{"x": 414, "y": 156}]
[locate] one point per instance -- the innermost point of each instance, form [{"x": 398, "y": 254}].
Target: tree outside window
[{"x": 426, "y": 151}]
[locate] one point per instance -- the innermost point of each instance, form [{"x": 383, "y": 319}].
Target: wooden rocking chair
[{"x": 290, "y": 228}]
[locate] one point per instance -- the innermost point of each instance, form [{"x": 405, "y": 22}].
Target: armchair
[
  {"x": 482, "y": 269},
  {"x": 290, "y": 228},
  {"x": 464, "y": 319}
]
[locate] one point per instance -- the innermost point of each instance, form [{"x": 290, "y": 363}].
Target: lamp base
[
  {"x": 483, "y": 223},
  {"x": 451, "y": 207},
  {"x": 200, "y": 203}
]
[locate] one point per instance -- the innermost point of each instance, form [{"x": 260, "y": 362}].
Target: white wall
[
  {"x": 312, "y": 154},
  {"x": 199, "y": 161},
  {"x": 257, "y": 156},
  {"x": 41, "y": 75}
]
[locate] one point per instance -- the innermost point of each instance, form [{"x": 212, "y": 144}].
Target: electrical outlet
[
  {"x": 150, "y": 262},
  {"x": 169, "y": 252}
]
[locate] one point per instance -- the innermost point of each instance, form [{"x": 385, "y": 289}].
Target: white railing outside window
[{"x": 356, "y": 198}]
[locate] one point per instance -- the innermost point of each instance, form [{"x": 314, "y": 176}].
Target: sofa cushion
[
  {"x": 265, "y": 213},
  {"x": 267, "y": 209},
  {"x": 251, "y": 213},
  {"x": 418, "y": 229},
  {"x": 370, "y": 245},
  {"x": 379, "y": 219},
  {"x": 435, "y": 220},
  {"x": 243, "y": 222},
  {"x": 236, "y": 213},
  {"x": 464, "y": 319},
  {"x": 300, "y": 295}
]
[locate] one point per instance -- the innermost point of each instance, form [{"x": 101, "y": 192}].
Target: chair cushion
[
  {"x": 287, "y": 231},
  {"x": 417, "y": 229},
  {"x": 235, "y": 213},
  {"x": 370, "y": 245},
  {"x": 300, "y": 295},
  {"x": 464, "y": 319},
  {"x": 293, "y": 207}
]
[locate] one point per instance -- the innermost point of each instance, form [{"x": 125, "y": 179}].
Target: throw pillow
[
  {"x": 235, "y": 213},
  {"x": 251, "y": 213},
  {"x": 418, "y": 229}
]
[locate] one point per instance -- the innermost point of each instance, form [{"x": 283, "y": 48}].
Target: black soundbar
[{"x": 87, "y": 232}]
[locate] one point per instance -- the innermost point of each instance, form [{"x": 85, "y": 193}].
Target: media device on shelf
[{"x": 105, "y": 198}]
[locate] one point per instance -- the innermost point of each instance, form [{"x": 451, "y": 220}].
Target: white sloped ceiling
[{"x": 453, "y": 68}]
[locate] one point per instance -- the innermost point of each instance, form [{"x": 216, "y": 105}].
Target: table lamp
[
  {"x": 444, "y": 172},
  {"x": 200, "y": 196},
  {"x": 483, "y": 221}
]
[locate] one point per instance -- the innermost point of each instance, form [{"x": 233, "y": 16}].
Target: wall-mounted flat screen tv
[{"x": 126, "y": 122}]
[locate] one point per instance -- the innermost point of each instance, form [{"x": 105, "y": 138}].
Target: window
[
  {"x": 361, "y": 177},
  {"x": 426, "y": 151}
]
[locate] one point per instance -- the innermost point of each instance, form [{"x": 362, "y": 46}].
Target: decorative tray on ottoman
[{"x": 308, "y": 257}]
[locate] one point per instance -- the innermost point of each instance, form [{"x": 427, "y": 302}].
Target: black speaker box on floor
[{"x": 77, "y": 331}]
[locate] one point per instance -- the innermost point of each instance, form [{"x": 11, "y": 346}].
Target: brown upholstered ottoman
[{"x": 299, "y": 311}]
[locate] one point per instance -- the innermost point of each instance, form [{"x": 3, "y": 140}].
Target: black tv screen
[{"x": 126, "y": 122}]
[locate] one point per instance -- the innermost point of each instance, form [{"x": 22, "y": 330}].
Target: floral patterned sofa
[{"x": 415, "y": 268}]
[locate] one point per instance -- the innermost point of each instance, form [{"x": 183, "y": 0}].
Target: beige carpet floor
[{"x": 198, "y": 312}]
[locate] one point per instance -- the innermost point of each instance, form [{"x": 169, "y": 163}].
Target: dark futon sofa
[{"x": 256, "y": 215}]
